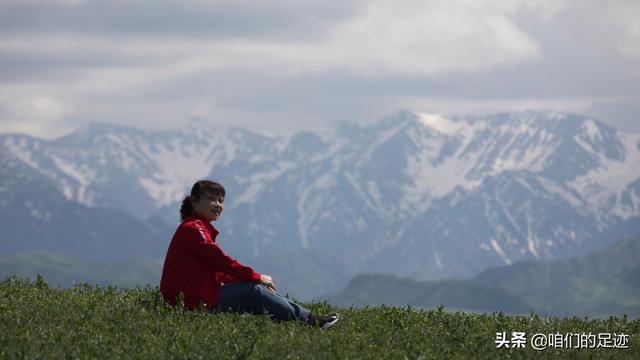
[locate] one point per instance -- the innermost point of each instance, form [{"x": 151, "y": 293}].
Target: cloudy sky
[{"x": 289, "y": 64}]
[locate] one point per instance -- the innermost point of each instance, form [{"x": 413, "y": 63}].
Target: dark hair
[{"x": 200, "y": 188}]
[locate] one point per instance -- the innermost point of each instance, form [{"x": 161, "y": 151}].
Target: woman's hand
[{"x": 267, "y": 281}]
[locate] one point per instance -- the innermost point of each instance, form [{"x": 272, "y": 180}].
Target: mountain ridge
[{"x": 417, "y": 193}]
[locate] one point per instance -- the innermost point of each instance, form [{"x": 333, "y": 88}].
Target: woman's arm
[
  {"x": 212, "y": 254},
  {"x": 265, "y": 280},
  {"x": 227, "y": 279}
]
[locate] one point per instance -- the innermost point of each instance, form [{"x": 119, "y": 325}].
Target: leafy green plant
[{"x": 39, "y": 321}]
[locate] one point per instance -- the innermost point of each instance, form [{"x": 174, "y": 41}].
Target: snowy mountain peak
[{"x": 486, "y": 189}]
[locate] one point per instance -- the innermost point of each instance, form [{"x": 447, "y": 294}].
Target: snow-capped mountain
[
  {"x": 415, "y": 194},
  {"x": 36, "y": 215}
]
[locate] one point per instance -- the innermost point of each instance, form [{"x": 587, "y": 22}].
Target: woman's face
[{"x": 210, "y": 206}]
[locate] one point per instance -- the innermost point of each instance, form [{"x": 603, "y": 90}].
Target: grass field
[{"x": 38, "y": 321}]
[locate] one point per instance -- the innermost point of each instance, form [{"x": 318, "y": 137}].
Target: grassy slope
[{"x": 37, "y": 321}]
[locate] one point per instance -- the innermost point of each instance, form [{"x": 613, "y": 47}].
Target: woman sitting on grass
[{"x": 195, "y": 265}]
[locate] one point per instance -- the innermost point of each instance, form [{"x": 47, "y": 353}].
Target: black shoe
[{"x": 323, "y": 322}]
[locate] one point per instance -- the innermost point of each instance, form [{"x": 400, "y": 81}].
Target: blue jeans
[{"x": 255, "y": 298}]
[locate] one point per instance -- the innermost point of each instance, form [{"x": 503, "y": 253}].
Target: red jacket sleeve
[
  {"x": 212, "y": 254},
  {"x": 226, "y": 278}
]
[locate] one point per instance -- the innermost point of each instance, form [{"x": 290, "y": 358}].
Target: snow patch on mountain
[
  {"x": 255, "y": 184},
  {"x": 563, "y": 192},
  {"x": 176, "y": 167},
  {"x": 371, "y": 200},
  {"x": 436, "y": 179},
  {"x": 604, "y": 186},
  {"x": 440, "y": 123},
  {"x": 84, "y": 176},
  {"x": 20, "y": 150},
  {"x": 496, "y": 247},
  {"x": 592, "y": 130},
  {"x": 531, "y": 158},
  {"x": 379, "y": 139}
]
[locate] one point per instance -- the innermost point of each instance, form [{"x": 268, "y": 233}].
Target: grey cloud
[
  {"x": 284, "y": 20},
  {"x": 308, "y": 99},
  {"x": 35, "y": 66},
  {"x": 281, "y": 21},
  {"x": 579, "y": 59},
  {"x": 623, "y": 114}
]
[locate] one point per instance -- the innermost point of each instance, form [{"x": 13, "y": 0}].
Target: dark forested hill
[{"x": 602, "y": 283}]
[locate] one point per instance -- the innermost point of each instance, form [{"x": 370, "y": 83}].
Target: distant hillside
[
  {"x": 302, "y": 273},
  {"x": 62, "y": 271},
  {"x": 378, "y": 289},
  {"x": 291, "y": 270},
  {"x": 603, "y": 283}
]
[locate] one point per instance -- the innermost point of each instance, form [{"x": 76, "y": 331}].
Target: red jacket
[{"x": 195, "y": 264}]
